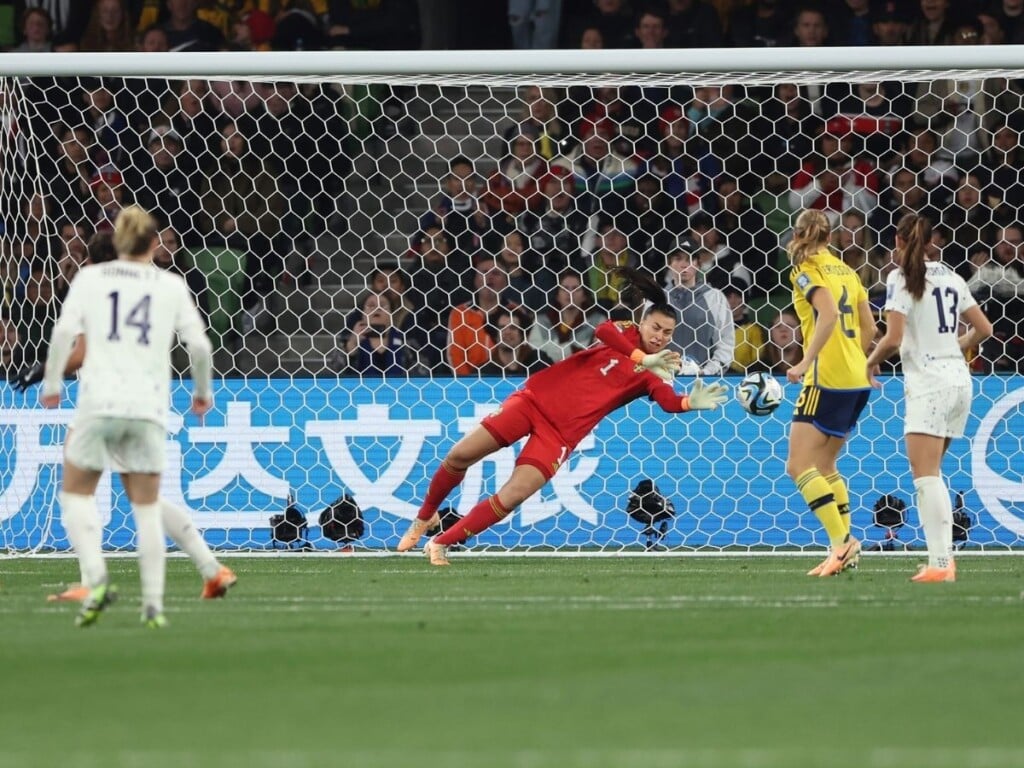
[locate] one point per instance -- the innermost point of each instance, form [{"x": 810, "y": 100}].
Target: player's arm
[
  {"x": 888, "y": 345},
  {"x": 701, "y": 397},
  {"x": 827, "y": 316},
  {"x": 192, "y": 331},
  {"x": 868, "y": 328},
  {"x": 981, "y": 327},
  {"x": 33, "y": 374},
  {"x": 663, "y": 364},
  {"x": 67, "y": 328}
]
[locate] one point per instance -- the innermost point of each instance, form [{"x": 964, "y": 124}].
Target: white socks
[
  {"x": 82, "y": 523},
  {"x": 178, "y": 525},
  {"x": 151, "y": 550},
  {"x": 935, "y": 509}
]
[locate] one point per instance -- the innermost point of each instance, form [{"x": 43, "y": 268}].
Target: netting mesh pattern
[{"x": 380, "y": 263}]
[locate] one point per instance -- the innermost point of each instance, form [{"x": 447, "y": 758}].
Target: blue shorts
[{"x": 832, "y": 411}]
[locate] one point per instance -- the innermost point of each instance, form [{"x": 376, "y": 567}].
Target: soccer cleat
[
  {"x": 219, "y": 585},
  {"x": 436, "y": 553},
  {"x": 927, "y": 574},
  {"x": 842, "y": 558},
  {"x": 416, "y": 530},
  {"x": 153, "y": 619},
  {"x": 851, "y": 563},
  {"x": 94, "y": 604},
  {"x": 816, "y": 570},
  {"x": 75, "y": 593}
]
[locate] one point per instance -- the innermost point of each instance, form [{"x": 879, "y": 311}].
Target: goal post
[{"x": 331, "y": 210}]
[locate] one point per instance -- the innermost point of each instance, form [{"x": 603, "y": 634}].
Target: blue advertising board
[{"x": 267, "y": 439}]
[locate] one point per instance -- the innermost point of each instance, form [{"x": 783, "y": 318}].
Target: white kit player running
[
  {"x": 128, "y": 312},
  {"x": 926, "y": 302}
]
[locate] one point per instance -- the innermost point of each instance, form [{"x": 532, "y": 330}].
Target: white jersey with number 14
[
  {"x": 931, "y": 355},
  {"x": 129, "y": 313}
]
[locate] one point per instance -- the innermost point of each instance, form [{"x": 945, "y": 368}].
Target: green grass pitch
[{"x": 739, "y": 662}]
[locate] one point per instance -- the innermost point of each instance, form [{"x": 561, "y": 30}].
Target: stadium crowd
[{"x": 514, "y": 263}]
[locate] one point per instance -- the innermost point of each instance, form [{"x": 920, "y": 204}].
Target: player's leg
[
  {"x": 934, "y": 507},
  {"x": 525, "y": 481},
  {"x": 849, "y": 555},
  {"x": 807, "y": 446},
  {"x": 496, "y": 431}
]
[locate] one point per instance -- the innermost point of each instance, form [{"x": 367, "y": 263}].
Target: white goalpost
[{"x": 333, "y": 211}]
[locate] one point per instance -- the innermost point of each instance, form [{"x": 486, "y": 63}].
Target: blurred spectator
[
  {"x": 512, "y": 354},
  {"x": 379, "y": 26},
  {"x": 970, "y": 220},
  {"x": 714, "y": 252},
  {"x": 462, "y": 210},
  {"x": 620, "y": 112},
  {"x": 436, "y": 285},
  {"x": 186, "y": 31},
  {"x": 890, "y": 23},
  {"x": 651, "y": 29},
  {"x": 612, "y": 18},
  {"x": 992, "y": 30},
  {"x": 760, "y": 24},
  {"x": 374, "y": 346},
  {"x": 1004, "y": 163},
  {"x": 693, "y": 24},
  {"x": 833, "y": 182},
  {"x": 252, "y": 31},
  {"x": 683, "y": 177},
  {"x": 933, "y": 24},
  {"x": 470, "y": 343},
  {"x": 540, "y": 117},
  {"x": 36, "y": 32},
  {"x": 604, "y": 174},
  {"x": 611, "y": 252},
  {"x": 1010, "y": 15},
  {"x": 998, "y": 284},
  {"x": 512, "y": 188},
  {"x": 810, "y": 27},
  {"x": 10, "y": 349},
  {"x": 171, "y": 256},
  {"x": 35, "y": 315},
  {"x": 110, "y": 28},
  {"x": 651, "y": 223},
  {"x": 591, "y": 38},
  {"x": 749, "y": 335},
  {"x": 921, "y": 156},
  {"x": 71, "y": 170},
  {"x": 187, "y": 112},
  {"x": 747, "y": 235},
  {"x": 153, "y": 40},
  {"x": 535, "y": 23},
  {"x": 567, "y": 326},
  {"x": 390, "y": 279},
  {"x": 784, "y": 348},
  {"x": 904, "y": 195},
  {"x": 108, "y": 198},
  {"x": 855, "y": 23},
  {"x": 108, "y": 123},
  {"x": 67, "y": 19},
  {"x": 780, "y": 131},
  {"x": 522, "y": 285},
  {"x": 70, "y": 253},
  {"x": 242, "y": 210},
  {"x": 853, "y": 242},
  {"x": 555, "y": 234},
  {"x": 165, "y": 184},
  {"x": 705, "y": 331}
]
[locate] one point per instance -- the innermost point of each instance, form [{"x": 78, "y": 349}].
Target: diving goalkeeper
[{"x": 558, "y": 407}]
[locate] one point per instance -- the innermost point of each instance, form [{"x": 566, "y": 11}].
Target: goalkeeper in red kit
[{"x": 558, "y": 407}]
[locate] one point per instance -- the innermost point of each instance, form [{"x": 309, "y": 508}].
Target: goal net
[{"x": 381, "y": 256}]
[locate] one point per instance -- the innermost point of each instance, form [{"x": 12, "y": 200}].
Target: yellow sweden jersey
[{"x": 841, "y": 364}]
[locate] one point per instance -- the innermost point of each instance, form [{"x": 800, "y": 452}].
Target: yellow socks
[
  {"x": 819, "y": 497},
  {"x": 842, "y": 498}
]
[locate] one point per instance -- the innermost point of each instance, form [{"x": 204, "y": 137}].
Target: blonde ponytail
[{"x": 811, "y": 233}]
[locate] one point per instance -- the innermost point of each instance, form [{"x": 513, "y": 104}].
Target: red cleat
[{"x": 219, "y": 585}]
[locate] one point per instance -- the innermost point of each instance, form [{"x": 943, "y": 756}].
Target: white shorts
[
  {"x": 123, "y": 445},
  {"x": 942, "y": 413}
]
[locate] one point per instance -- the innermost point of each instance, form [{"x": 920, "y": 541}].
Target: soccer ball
[{"x": 759, "y": 393}]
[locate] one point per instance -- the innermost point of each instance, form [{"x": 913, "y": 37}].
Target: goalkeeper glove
[
  {"x": 27, "y": 376},
  {"x": 663, "y": 364},
  {"x": 706, "y": 397}
]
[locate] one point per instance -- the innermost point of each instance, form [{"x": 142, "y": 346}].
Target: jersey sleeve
[
  {"x": 897, "y": 297},
  {"x": 69, "y": 325},
  {"x": 610, "y": 332},
  {"x": 806, "y": 280},
  {"x": 967, "y": 299},
  {"x": 191, "y": 330}
]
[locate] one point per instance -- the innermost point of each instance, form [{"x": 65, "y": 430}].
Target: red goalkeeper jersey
[{"x": 576, "y": 393}]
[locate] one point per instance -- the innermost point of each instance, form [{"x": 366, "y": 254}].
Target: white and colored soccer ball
[{"x": 759, "y": 393}]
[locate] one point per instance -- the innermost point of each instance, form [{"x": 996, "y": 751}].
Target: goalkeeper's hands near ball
[
  {"x": 664, "y": 364},
  {"x": 706, "y": 397}
]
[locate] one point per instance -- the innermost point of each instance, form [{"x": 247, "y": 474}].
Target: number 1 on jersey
[{"x": 138, "y": 317}]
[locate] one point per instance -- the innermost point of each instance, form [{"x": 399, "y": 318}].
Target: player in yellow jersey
[{"x": 838, "y": 328}]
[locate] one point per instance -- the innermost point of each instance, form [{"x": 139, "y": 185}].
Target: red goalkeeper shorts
[{"x": 518, "y": 417}]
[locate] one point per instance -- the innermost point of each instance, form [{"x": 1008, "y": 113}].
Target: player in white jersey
[
  {"x": 128, "y": 312},
  {"x": 926, "y": 302}
]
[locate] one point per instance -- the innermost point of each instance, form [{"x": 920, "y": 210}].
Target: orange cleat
[
  {"x": 75, "y": 593},
  {"x": 219, "y": 585},
  {"x": 852, "y": 562},
  {"x": 842, "y": 558},
  {"x": 926, "y": 574},
  {"x": 436, "y": 553},
  {"x": 816, "y": 570},
  {"x": 416, "y": 530}
]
